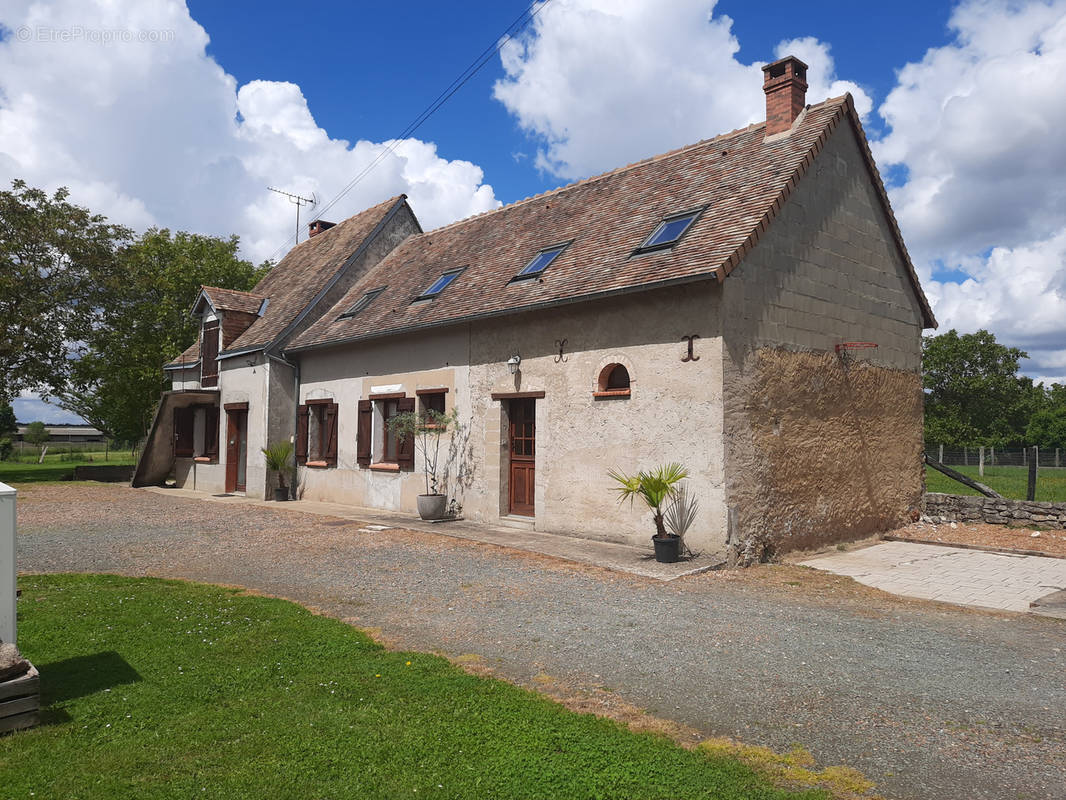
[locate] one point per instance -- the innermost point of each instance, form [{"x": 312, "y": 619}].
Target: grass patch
[
  {"x": 167, "y": 689},
  {"x": 1010, "y": 482},
  {"x": 51, "y": 471}
]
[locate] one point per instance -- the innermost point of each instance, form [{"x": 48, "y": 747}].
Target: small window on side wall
[{"x": 613, "y": 382}]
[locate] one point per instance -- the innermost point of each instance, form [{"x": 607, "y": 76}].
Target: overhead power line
[{"x": 520, "y": 22}]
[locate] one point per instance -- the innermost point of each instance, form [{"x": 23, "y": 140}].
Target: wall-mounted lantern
[{"x": 513, "y": 362}]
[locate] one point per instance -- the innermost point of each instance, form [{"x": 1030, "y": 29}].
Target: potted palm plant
[
  {"x": 656, "y": 488},
  {"x": 278, "y": 459},
  {"x": 426, "y": 427}
]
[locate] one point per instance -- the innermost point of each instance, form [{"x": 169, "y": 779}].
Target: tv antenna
[{"x": 298, "y": 201}]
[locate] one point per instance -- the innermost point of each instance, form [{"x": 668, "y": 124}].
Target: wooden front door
[
  {"x": 236, "y": 450},
  {"x": 523, "y": 447}
]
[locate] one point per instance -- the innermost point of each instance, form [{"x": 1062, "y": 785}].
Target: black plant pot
[
  {"x": 281, "y": 494},
  {"x": 668, "y": 550}
]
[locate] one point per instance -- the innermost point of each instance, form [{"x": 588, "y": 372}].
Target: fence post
[
  {"x": 992, "y": 461},
  {"x": 7, "y": 564},
  {"x": 965, "y": 456},
  {"x": 981, "y": 461},
  {"x": 1057, "y": 464},
  {"x": 940, "y": 456},
  {"x": 1030, "y": 493}
]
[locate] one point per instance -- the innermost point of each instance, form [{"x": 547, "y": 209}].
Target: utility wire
[{"x": 520, "y": 22}]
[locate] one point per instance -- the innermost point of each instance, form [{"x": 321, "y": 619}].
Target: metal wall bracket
[
  {"x": 560, "y": 344},
  {"x": 690, "y": 356}
]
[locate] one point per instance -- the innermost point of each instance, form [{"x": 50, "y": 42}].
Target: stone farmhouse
[{"x": 701, "y": 306}]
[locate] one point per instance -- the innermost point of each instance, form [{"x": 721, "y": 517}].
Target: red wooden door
[
  {"x": 236, "y": 450},
  {"x": 523, "y": 447}
]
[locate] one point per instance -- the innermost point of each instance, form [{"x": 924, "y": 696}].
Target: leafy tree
[
  {"x": 974, "y": 394},
  {"x": 116, "y": 381},
  {"x": 56, "y": 259},
  {"x": 36, "y": 434},
  {"x": 8, "y": 423},
  {"x": 1047, "y": 428},
  {"x": 7, "y": 447}
]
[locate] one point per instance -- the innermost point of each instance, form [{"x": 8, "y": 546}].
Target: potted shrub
[
  {"x": 426, "y": 427},
  {"x": 278, "y": 458},
  {"x": 656, "y": 488}
]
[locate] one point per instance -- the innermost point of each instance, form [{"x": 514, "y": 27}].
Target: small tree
[
  {"x": 6, "y": 448},
  {"x": 655, "y": 488},
  {"x": 36, "y": 434},
  {"x": 426, "y": 427},
  {"x": 278, "y": 459},
  {"x": 8, "y": 424}
]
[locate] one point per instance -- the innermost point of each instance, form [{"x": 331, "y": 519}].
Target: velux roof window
[
  {"x": 669, "y": 231},
  {"x": 439, "y": 285},
  {"x": 362, "y": 303},
  {"x": 540, "y": 262}
]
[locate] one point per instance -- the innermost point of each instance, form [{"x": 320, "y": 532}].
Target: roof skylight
[
  {"x": 439, "y": 285},
  {"x": 540, "y": 262},
  {"x": 362, "y": 303},
  {"x": 669, "y": 231}
]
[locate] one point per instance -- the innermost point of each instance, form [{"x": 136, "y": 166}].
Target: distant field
[
  {"x": 1008, "y": 481},
  {"x": 15, "y": 472}
]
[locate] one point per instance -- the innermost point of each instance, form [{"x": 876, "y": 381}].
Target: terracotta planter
[
  {"x": 668, "y": 550},
  {"x": 432, "y": 506}
]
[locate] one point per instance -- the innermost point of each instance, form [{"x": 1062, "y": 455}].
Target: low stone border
[{"x": 994, "y": 511}]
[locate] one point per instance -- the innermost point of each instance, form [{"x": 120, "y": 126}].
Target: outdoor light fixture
[{"x": 513, "y": 362}]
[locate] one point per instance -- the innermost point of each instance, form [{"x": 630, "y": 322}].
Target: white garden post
[{"x": 7, "y": 564}]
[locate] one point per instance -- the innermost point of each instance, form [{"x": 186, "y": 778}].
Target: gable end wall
[{"x": 818, "y": 452}]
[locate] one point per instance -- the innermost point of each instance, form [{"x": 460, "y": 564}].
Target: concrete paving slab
[
  {"x": 1002, "y": 581},
  {"x": 515, "y": 534}
]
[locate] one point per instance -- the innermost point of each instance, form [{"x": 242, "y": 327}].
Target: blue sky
[{"x": 158, "y": 112}]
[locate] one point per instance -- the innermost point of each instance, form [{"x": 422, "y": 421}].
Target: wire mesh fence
[{"x": 1048, "y": 457}]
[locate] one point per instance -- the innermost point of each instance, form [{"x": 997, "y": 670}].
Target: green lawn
[
  {"x": 1008, "y": 481},
  {"x": 16, "y": 472},
  {"x": 166, "y": 689}
]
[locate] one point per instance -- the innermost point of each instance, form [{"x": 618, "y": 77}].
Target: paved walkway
[
  {"x": 927, "y": 700},
  {"x": 606, "y": 555},
  {"x": 1001, "y": 581}
]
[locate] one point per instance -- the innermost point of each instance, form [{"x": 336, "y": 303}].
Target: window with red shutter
[
  {"x": 302, "y": 416},
  {"x": 329, "y": 438},
  {"x": 183, "y": 432},
  {"x": 209, "y": 355},
  {"x": 405, "y": 455},
  {"x": 211, "y": 420},
  {"x": 364, "y": 434}
]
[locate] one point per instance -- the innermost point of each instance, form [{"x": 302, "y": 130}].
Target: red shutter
[
  {"x": 209, "y": 355},
  {"x": 405, "y": 453},
  {"x": 183, "y": 440},
  {"x": 363, "y": 444},
  {"x": 331, "y": 434},
  {"x": 211, "y": 432},
  {"x": 301, "y": 434}
]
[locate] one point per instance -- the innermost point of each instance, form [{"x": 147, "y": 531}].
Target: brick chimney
[
  {"x": 319, "y": 225},
  {"x": 785, "y": 84}
]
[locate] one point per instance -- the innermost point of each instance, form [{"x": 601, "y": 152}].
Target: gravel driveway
[{"x": 927, "y": 700}]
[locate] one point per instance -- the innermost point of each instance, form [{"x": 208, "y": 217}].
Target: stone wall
[{"x": 996, "y": 511}]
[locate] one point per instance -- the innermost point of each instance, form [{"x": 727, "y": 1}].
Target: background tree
[
  {"x": 36, "y": 434},
  {"x": 1047, "y": 428},
  {"x": 8, "y": 424},
  {"x": 55, "y": 260},
  {"x": 974, "y": 394},
  {"x": 116, "y": 380}
]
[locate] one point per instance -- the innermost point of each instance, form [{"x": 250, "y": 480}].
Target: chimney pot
[
  {"x": 319, "y": 225},
  {"x": 785, "y": 85}
]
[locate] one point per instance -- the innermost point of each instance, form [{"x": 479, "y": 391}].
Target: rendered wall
[
  {"x": 816, "y": 451},
  {"x": 674, "y": 412}
]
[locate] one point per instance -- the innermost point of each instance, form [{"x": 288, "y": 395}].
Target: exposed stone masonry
[{"x": 996, "y": 511}]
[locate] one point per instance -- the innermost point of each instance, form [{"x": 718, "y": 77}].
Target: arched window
[{"x": 613, "y": 381}]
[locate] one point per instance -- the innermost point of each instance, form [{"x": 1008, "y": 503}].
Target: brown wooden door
[
  {"x": 236, "y": 450},
  {"x": 523, "y": 447}
]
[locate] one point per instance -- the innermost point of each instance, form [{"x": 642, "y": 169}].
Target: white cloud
[
  {"x": 605, "y": 82},
  {"x": 978, "y": 124},
  {"x": 155, "y": 132}
]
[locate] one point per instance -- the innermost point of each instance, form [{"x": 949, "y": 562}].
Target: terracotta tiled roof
[
  {"x": 189, "y": 357},
  {"x": 293, "y": 283},
  {"x": 233, "y": 300},
  {"x": 742, "y": 179}
]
